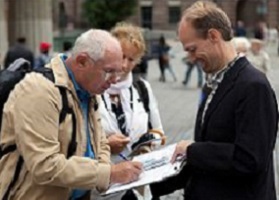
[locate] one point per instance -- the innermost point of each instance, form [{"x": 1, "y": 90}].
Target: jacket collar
[
  {"x": 225, "y": 86},
  {"x": 61, "y": 76}
]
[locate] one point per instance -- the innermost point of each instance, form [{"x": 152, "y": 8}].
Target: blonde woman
[{"x": 127, "y": 118}]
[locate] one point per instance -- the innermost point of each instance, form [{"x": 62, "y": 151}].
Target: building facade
[
  {"x": 42, "y": 20},
  {"x": 164, "y": 14}
]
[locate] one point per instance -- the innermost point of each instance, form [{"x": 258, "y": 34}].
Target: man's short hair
[
  {"x": 96, "y": 43},
  {"x": 205, "y": 15}
]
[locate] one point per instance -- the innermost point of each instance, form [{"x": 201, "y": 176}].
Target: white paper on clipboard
[{"x": 154, "y": 174}]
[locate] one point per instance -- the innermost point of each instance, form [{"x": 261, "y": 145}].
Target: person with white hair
[
  {"x": 54, "y": 160},
  {"x": 258, "y": 57},
  {"x": 241, "y": 44}
]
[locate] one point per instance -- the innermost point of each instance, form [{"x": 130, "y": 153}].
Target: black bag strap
[
  {"x": 65, "y": 106},
  {"x": 103, "y": 98},
  {"x": 68, "y": 110},
  {"x": 143, "y": 93},
  {"x": 8, "y": 149},
  {"x": 144, "y": 97},
  {"x": 15, "y": 178},
  {"x": 48, "y": 73}
]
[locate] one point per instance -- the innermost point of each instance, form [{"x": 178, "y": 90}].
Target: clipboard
[{"x": 154, "y": 174}]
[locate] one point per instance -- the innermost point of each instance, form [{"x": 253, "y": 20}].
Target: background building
[
  {"x": 164, "y": 14},
  {"x": 31, "y": 19},
  {"x": 55, "y": 21}
]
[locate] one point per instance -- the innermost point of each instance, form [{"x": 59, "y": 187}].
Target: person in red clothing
[{"x": 44, "y": 57}]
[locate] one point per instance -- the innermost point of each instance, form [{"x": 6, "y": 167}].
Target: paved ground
[{"x": 178, "y": 103}]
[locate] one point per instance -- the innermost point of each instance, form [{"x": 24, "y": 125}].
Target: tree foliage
[{"x": 104, "y": 14}]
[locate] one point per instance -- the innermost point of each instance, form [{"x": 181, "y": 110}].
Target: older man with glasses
[{"x": 31, "y": 122}]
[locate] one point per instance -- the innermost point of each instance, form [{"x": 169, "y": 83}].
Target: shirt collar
[
  {"x": 214, "y": 79},
  {"x": 81, "y": 93}
]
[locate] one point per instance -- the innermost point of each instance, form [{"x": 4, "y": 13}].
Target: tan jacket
[{"x": 31, "y": 120}]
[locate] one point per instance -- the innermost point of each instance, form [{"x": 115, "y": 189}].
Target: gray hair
[
  {"x": 95, "y": 43},
  {"x": 241, "y": 44}
]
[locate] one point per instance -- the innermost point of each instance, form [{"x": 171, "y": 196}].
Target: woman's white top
[
  {"x": 136, "y": 117},
  {"x": 136, "y": 121}
]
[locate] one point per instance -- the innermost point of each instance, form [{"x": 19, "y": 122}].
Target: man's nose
[
  {"x": 192, "y": 57},
  {"x": 113, "y": 79}
]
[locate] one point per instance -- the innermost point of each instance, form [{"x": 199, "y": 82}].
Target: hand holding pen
[{"x": 125, "y": 172}]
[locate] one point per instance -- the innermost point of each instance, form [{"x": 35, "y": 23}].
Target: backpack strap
[
  {"x": 7, "y": 150},
  {"x": 48, "y": 73},
  {"x": 15, "y": 178},
  {"x": 67, "y": 110},
  {"x": 144, "y": 96},
  {"x": 103, "y": 98},
  {"x": 131, "y": 98}
]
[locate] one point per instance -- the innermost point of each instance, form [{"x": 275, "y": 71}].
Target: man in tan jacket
[{"x": 31, "y": 122}]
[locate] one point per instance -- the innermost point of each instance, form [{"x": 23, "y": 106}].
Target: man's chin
[
  {"x": 204, "y": 68},
  {"x": 101, "y": 90}
]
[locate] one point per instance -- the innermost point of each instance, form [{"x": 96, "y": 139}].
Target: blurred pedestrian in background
[
  {"x": 44, "y": 56},
  {"x": 19, "y": 50},
  {"x": 258, "y": 56},
  {"x": 240, "y": 30},
  {"x": 164, "y": 59},
  {"x": 67, "y": 48},
  {"x": 190, "y": 65},
  {"x": 241, "y": 44}
]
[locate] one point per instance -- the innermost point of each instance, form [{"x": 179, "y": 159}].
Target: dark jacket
[
  {"x": 232, "y": 157},
  {"x": 18, "y": 51}
]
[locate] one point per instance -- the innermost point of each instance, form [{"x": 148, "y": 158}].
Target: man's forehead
[
  {"x": 186, "y": 31},
  {"x": 113, "y": 64},
  {"x": 187, "y": 35},
  {"x": 113, "y": 53},
  {"x": 189, "y": 45}
]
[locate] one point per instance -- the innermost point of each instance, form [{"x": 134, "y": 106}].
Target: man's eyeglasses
[
  {"x": 108, "y": 74},
  {"x": 112, "y": 74}
]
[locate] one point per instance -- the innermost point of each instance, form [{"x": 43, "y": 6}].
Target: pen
[{"x": 123, "y": 157}]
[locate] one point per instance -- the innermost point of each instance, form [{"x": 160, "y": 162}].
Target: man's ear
[
  {"x": 213, "y": 35},
  {"x": 81, "y": 60}
]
